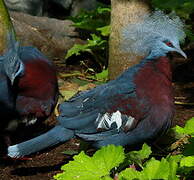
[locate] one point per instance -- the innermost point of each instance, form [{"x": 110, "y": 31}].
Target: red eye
[{"x": 169, "y": 44}]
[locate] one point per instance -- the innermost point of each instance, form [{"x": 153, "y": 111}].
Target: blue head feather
[
  {"x": 149, "y": 37},
  {"x": 11, "y": 61}
]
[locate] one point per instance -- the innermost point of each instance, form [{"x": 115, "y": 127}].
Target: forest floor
[{"x": 43, "y": 165}]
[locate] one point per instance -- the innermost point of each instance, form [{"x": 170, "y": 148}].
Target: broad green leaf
[
  {"x": 130, "y": 174},
  {"x": 109, "y": 157},
  {"x": 188, "y": 129},
  {"x": 187, "y": 161},
  {"x": 138, "y": 156},
  {"x": 84, "y": 167},
  {"x": 157, "y": 169},
  {"x": 154, "y": 169}
]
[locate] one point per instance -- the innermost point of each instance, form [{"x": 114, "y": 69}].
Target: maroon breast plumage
[{"x": 37, "y": 89}]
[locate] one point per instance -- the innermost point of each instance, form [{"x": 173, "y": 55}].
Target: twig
[{"x": 184, "y": 103}]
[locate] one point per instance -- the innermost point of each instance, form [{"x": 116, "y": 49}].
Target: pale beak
[{"x": 179, "y": 50}]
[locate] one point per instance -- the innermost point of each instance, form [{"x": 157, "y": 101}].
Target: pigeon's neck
[
  {"x": 156, "y": 53},
  {"x": 160, "y": 64}
]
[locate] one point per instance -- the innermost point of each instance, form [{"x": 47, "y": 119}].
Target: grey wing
[{"x": 88, "y": 110}]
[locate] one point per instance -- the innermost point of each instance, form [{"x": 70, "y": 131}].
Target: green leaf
[
  {"x": 176, "y": 158},
  {"x": 188, "y": 129},
  {"x": 76, "y": 50},
  {"x": 130, "y": 174},
  {"x": 109, "y": 157},
  {"x": 138, "y": 156},
  {"x": 102, "y": 76},
  {"x": 91, "y": 20},
  {"x": 93, "y": 168},
  {"x": 154, "y": 170},
  {"x": 157, "y": 169},
  {"x": 179, "y": 129},
  {"x": 101, "y": 10},
  {"x": 187, "y": 161},
  {"x": 105, "y": 30},
  {"x": 94, "y": 43},
  {"x": 173, "y": 166}
]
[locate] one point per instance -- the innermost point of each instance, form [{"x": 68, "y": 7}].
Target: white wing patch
[
  {"x": 106, "y": 120},
  {"x": 129, "y": 122},
  {"x": 29, "y": 120}
]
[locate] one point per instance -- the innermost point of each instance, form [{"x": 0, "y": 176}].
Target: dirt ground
[{"x": 45, "y": 164}]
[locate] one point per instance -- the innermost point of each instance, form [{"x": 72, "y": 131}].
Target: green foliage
[
  {"x": 105, "y": 30},
  {"x": 187, "y": 161},
  {"x": 92, "y": 168},
  {"x": 153, "y": 169},
  {"x": 106, "y": 160},
  {"x": 91, "y": 20},
  {"x": 97, "y": 25},
  {"x": 95, "y": 43},
  {"x": 182, "y": 7},
  {"x": 102, "y": 76},
  {"x": 137, "y": 157},
  {"x": 188, "y": 129}
]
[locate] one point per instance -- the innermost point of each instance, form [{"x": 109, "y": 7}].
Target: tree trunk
[{"x": 123, "y": 12}]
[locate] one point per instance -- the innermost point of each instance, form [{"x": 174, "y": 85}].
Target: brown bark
[{"x": 123, "y": 12}]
